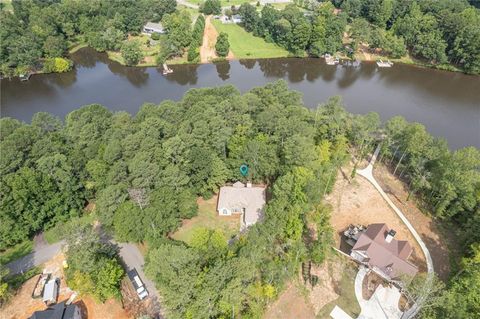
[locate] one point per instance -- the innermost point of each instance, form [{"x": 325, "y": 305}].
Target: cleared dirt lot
[
  {"x": 290, "y": 304},
  {"x": 22, "y": 305},
  {"x": 358, "y": 202},
  {"x": 441, "y": 242}
]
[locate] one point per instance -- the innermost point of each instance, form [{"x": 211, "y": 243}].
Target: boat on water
[
  {"x": 166, "y": 69},
  {"x": 384, "y": 64},
  {"x": 25, "y": 76},
  {"x": 330, "y": 60}
]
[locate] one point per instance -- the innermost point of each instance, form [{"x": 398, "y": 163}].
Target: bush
[
  {"x": 193, "y": 54},
  {"x": 131, "y": 52},
  {"x": 155, "y": 36},
  {"x": 57, "y": 65},
  {"x": 211, "y": 7},
  {"x": 222, "y": 46}
]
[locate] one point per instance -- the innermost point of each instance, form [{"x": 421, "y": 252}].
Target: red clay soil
[
  {"x": 442, "y": 243},
  {"x": 358, "y": 202},
  {"x": 290, "y": 304},
  {"x": 22, "y": 305}
]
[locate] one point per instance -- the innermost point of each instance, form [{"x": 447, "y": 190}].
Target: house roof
[
  {"x": 238, "y": 196},
  {"x": 58, "y": 311},
  {"x": 153, "y": 25},
  {"x": 390, "y": 257}
]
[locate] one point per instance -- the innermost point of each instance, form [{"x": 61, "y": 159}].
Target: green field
[
  {"x": 244, "y": 45},
  {"x": 208, "y": 218}
]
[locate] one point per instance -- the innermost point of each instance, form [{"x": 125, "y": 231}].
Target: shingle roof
[
  {"x": 391, "y": 257},
  {"x": 252, "y": 199}
]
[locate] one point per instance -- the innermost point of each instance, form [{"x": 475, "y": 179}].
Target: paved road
[
  {"x": 43, "y": 252},
  {"x": 367, "y": 173},
  {"x": 187, "y": 4},
  {"x": 40, "y": 255}
]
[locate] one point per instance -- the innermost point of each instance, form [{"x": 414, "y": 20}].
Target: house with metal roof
[
  {"x": 243, "y": 199},
  {"x": 377, "y": 248}
]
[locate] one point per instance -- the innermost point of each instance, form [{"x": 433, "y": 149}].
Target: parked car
[{"x": 138, "y": 284}]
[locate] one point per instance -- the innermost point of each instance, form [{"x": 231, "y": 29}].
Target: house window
[
  {"x": 236, "y": 210},
  {"x": 225, "y": 211}
]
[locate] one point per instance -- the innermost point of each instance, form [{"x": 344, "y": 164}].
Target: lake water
[{"x": 447, "y": 103}]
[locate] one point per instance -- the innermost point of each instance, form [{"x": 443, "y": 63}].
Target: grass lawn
[
  {"x": 244, "y": 45},
  {"x": 16, "y": 252},
  {"x": 207, "y": 217},
  {"x": 150, "y": 52},
  {"x": 346, "y": 289}
]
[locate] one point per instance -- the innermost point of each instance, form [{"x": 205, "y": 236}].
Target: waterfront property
[
  {"x": 377, "y": 248},
  {"x": 243, "y": 199}
]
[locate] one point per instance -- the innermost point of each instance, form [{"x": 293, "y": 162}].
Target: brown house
[{"x": 377, "y": 248}]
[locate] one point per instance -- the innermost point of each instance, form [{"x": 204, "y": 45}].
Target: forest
[
  {"x": 145, "y": 172},
  {"x": 436, "y": 32},
  {"x": 40, "y": 31}
]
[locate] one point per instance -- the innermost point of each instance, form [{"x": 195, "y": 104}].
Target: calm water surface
[{"x": 447, "y": 103}]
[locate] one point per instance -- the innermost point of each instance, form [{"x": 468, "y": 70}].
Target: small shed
[
  {"x": 152, "y": 27},
  {"x": 50, "y": 292}
]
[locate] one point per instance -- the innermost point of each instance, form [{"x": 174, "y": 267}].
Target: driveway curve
[{"x": 367, "y": 173}]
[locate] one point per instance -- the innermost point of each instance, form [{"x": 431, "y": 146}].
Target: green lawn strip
[
  {"x": 15, "y": 252},
  {"x": 208, "y": 218},
  {"x": 346, "y": 291},
  {"x": 59, "y": 231},
  {"x": 246, "y": 45}
]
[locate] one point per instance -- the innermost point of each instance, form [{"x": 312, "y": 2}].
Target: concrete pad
[{"x": 338, "y": 313}]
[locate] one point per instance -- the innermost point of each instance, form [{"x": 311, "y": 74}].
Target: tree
[
  {"x": 57, "y": 65},
  {"x": 211, "y": 7},
  {"x": 179, "y": 34},
  {"x": 131, "y": 52},
  {"x": 249, "y": 17},
  {"x": 222, "y": 46},
  {"x": 54, "y": 46}
]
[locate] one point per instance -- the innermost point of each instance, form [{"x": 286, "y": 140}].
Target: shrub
[
  {"x": 193, "y": 54},
  {"x": 131, "y": 52},
  {"x": 155, "y": 36},
  {"x": 211, "y": 7},
  {"x": 222, "y": 46},
  {"x": 57, "y": 65}
]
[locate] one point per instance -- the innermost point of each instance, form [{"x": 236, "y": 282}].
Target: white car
[{"x": 138, "y": 284}]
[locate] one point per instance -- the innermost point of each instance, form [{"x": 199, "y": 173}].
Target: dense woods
[
  {"x": 40, "y": 30},
  {"x": 437, "y": 32},
  {"x": 145, "y": 173}
]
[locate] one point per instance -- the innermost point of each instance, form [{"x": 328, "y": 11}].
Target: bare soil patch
[
  {"x": 326, "y": 291},
  {"x": 207, "y": 50},
  {"x": 358, "y": 202},
  {"x": 370, "y": 284},
  {"x": 290, "y": 304},
  {"x": 442, "y": 243},
  {"x": 22, "y": 305}
]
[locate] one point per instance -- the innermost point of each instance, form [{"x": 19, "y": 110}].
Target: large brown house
[{"x": 377, "y": 248}]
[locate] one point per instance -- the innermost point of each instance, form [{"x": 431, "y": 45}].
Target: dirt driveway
[
  {"x": 207, "y": 50},
  {"x": 359, "y": 202}
]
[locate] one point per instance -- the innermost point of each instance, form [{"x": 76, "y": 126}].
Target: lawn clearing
[
  {"x": 244, "y": 45},
  {"x": 340, "y": 277},
  {"x": 290, "y": 304},
  {"x": 208, "y": 218},
  {"x": 150, "y": 50},
  {"x": 16, "y": 252}
]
